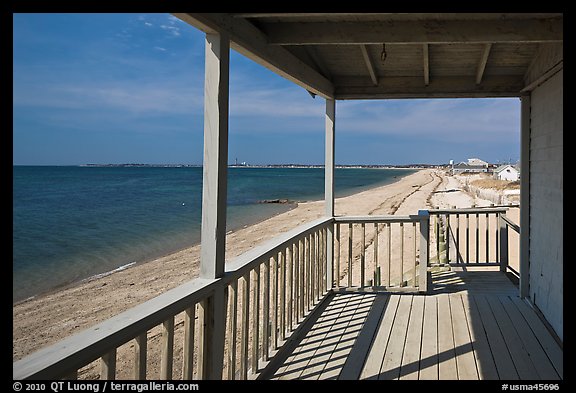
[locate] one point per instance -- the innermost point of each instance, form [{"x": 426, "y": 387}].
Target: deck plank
[
  {"x": 520, "y": 356},
  {"x": 429, "y": 351},
  {"x": 502, "y": 358},
  {"x": 446, "y": 354},
  {"x": 355, "y": 361},
  {"x": 465, "y": 361},
  {"x": 541, "y": 362},
  {"x": 323, "y": 344},
  {"x": 298, "y": 360},
  {"x": 482, "y": 352},
  {"x": 411, "y": 356},
  {"x": 552, "y": 349},
  {"x": 333, "y": 351},
  {"x": 378, "y": 348},
  {"x": 393, "y": 356},
  {"x": 342, "y": 350}
]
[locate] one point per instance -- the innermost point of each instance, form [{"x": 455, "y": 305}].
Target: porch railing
[
  {"x": 472, "y": 236},
  {"x": 370, "y": 262},
  {"x": 268, "y": 292}
]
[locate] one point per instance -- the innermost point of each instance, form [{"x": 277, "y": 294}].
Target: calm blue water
[{"x": 71, "y": 223}]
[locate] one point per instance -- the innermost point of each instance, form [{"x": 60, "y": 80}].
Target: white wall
[
  {"x": 546, "y": 200},
  {"x": 509, "y": 174}
]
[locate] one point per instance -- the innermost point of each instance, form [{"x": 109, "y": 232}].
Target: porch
[
  {"x": 474, "y": 328},
  {"x": 290, "y": 311}
]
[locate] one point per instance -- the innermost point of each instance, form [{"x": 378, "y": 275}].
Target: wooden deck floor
[{"x": 471, "y": 326}]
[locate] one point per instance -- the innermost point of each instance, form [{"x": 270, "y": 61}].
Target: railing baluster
[
  {"x": 477, "y": 238},
  {"x": 401, "y": 254},
  {"x": 503, "y": 244},
  {"x": 447, "y": 237},
  {"x": 308, "y": 272},
  {"x": 497, "y": 234},
  {"x": 458, "y": 251},
  {"x": 232, "y": 328},
  {"x": 274, "y": 329},
  {"x": 188, "y": 358},
  {"x": 302, "y": 275},
  {"x": 202, "y": 347},
  {"x": 255, "y": 318},
  {"x": 362, "y": 255},
  {"x": 389, "y": 246},
  {"x": 318, "y": 263},
  {"x": 337, "y": 255},
  {"x": 415, "y": 252},
  {"x": 349, "y": 256},
  {"x": 296, "y": 288},
  {"x": 290, "y": 282},
  {"x": 244, "y": 332},
  {"x": 282, "y": 288},
  {"x": 467, "y": 238},
  {"x": 437, "y": 226},
  {"x": 266, "y": 312},
  {"x": 424, "y": 249},
  {"x": 313, "y": 266},
  {"x": 167, "y": 349},
  {"x": 108, "y": 365},
  {"x": 320, "y": 259},
  {"x": 376, "y": 281},
  {"x": 324, "y": 260},
  {"x": 487, "y": 238},
  {"x": 140, "y": 354}
]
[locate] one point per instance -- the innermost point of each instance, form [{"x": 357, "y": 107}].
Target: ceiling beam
[
  {"x": 318, "y": 61},
  {"x": 426, "y": 60},
  {"x": 246, "y": 39},
  {"x": 369, "y": 64},
  {"x": 439, "y": 87},
  {"x": 482, "y": 64},
  {"x": 403, "y": 32}
]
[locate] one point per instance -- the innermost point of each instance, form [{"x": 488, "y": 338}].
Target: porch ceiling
[{"x": 386, "y": 55}]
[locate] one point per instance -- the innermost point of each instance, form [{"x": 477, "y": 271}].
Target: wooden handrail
[
  {"x": 511, "y": 224},
  {"x": 73, "y": 352},
  {"x": 250, "y": 259},
  {"x": 471, "y": 210}
]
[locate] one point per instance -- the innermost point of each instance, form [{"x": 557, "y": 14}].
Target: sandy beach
[{"x": 44, "y": 320}]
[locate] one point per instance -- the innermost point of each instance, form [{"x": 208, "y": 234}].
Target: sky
[{"x": 128, "y": 88}]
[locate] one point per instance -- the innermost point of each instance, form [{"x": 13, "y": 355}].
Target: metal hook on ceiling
[{"x": 383, "y": 54}]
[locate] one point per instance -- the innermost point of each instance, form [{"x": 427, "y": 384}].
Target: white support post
[
  {"x": 212, "y": 259},
  {"x": 329, "y": 187},
  {"x": 525, "y": 196}
]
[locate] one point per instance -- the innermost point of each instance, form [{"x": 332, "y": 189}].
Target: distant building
[
  {"x": 474, "y": 165},
  {"x": 507, "y": 172},
  {"x": 477, "y": 162}
]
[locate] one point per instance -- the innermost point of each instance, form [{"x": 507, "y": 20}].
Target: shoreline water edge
[{"x": 76, "y": 257}]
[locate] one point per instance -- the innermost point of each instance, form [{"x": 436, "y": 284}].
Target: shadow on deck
[{"x": 471, "y": 325}]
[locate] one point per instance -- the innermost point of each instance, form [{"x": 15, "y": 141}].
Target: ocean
[{"x": 74, "y": 222}]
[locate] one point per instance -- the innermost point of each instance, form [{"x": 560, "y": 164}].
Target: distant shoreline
[{"x": 362, "y": 166}]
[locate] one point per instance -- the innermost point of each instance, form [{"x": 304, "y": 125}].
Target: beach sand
[{"x": 44, "y": 320}]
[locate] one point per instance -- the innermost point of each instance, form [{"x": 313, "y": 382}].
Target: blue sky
[{"x": 120, "y": 88}]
